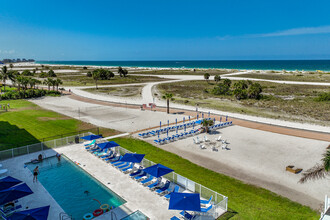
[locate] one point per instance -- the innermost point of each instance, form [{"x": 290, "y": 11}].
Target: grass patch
[
  {"x": 124, "y": 91},
  {"x": 306, "y": 77},
  {"x": 245, "y": 201},
  {"x": 280, "y": 101},
  {"x": 88, "y": 81},
  {"x": 26, "y": 123},
  {"x": 201, "y": 72}
]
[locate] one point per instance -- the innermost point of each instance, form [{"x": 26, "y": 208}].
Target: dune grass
[
  {"x": 245, "y": 201},
  {"x": 26, "y": 123}
]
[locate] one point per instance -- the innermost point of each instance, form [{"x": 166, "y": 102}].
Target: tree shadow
[{"x": 12, "y": 136}]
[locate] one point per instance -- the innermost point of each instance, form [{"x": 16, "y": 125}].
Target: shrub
[
  {"x": 254, "y": 91},
  {"x": 221, "y": 89},
  {"x": 89, "y": 74},
  {"x": 240, "y": 93},
  {"x": 324, "y": 97},
  {"x": 217, "y": 78},
  {"x": 29, "y": 93}
]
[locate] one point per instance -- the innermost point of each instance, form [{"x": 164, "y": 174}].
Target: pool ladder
[
  {"x": 64, "y": 216},
  {"x": 113, "y": 216}
]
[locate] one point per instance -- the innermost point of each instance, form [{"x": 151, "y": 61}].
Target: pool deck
[
  {"x": 40, "y": 196},
  {"x": 137, "y": 196}
]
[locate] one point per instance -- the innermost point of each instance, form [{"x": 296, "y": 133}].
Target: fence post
[
  {"x": 27, "y": 149},
  {"x": 12, "y": 152},
  {"x": 42, "y": 146},
  {"x": 54, "y": 143}
]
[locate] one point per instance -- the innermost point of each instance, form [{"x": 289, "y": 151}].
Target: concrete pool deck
[{"x": 137, "y": 196}]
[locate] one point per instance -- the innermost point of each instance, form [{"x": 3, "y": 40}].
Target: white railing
[
  {"x": 220, "y": 202},
  {"x": 14, "y": 152}
]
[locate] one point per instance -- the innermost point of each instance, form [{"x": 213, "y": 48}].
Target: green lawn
[
  {"x": 245, "y": 201},
  {"x": 26, "y": 123}
]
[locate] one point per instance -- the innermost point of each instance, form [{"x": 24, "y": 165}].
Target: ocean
[{"x": 307, "y": 65}]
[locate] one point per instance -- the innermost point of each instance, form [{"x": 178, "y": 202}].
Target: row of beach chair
[
  {"x": 160, "y": 186},
  {"x": 177, "y": 136}
]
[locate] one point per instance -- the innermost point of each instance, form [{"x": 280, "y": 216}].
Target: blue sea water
[
  {"x": 308, "y": 65},
  {"x": 72, "y": 188}
]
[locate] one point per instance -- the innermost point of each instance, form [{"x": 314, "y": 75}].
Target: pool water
[
  {"x": 73, "y": 188},
  {"x": 138, "y": 215}
]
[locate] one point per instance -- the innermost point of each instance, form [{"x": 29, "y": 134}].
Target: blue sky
[{"x": 165, "y": 30}]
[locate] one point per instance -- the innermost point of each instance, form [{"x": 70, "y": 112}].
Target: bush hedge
[{"x": 29, "y": 93}]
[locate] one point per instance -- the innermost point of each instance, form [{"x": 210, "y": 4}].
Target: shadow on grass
[
  {"x": 228, "y": 215},
  {"x": 12, "y": 136}
]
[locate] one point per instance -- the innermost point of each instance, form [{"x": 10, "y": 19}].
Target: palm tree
[
  {"x": 96, "y": 76},
  {"x": 48, "y": 82},
  {"x": 168, "y": 97},
  {"x": 57, "y": 83},
  {"x": 5, "y": 75},
  {"x": 53, "y": 83},
  {"x": 319, "y": 171},
  {"x": 206, "y": 124}
]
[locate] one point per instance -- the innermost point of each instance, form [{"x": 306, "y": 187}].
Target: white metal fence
[
  {"x": 14, "y": 152},
  {"x": 220, "y": 202}
]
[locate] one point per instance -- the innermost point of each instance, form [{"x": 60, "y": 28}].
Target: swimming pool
[{"x": 73, "y": 188}]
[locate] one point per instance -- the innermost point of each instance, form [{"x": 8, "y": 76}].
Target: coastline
[{"x": 183, "y": 67}]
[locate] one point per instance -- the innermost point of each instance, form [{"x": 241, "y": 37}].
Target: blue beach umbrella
[
  {"x": 197, "y": 116},
  {"x": 91, "y": 137},
  {"x": 176, "y": 121},
  {"x": 158, "y": 134},
  {"x": 189, "y": 117},
  {"x": 168, "y": 122},
  {"x": 8, "y": 182},
  {"x": 13, "y": 193},
  {"x": 185, "y": 127},
  {"x": 177, "y": 129},
  {"x": 209, "y": 114},
  {"x": 157, "y": 170},
  {"x": 160, "y": 124},
  {"x": 107, "y": 145},
  {"x": 202, "y": 115},
  {"x": 214, "y": 120},
  {"x": 167, "y": 132},
  {"x": 183, "y": 119},
  {"x": 227, "y": 118},
  {"x": 185, "y": 201},
  {"x": 31, "y": 214},
  {"x": 220, "y": 118},
  {"x": 133, "y": 158}
]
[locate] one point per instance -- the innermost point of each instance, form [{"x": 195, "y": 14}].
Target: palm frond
[
  {"x": 326, "y": 160},
  {"x": 316, "y": 172}
]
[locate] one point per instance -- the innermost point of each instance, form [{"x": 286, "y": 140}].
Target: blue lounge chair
[
  {"x": 154, "y": 184},
  {"x": 121, "y": 165},
  {"x": 176, "y": 189},
  {"x": 138, "y": 172},
  {"x": 112, "y": 157},
  {"x": 138, "y": 177},
  {"x": 205, "y": 202},
  {"x": 175, "y": 218},
  {"x": 127, "y": 168},
  {"x": 146, "y": 181},
  {"x": 206, "y": 209},
  {"x": 164, "y": 188},
  {"x": 186, "y": 215},
  {"x": 91, "y": 143},
  {"x": 107, "y": 155},
  {"x": 116, "y": 160}
]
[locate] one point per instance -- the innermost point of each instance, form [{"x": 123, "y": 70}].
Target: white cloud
[
  {"x": 7, "y": 51},
  {"x": 289, "y": 32},
  {"x": 295, "y": 31}
]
